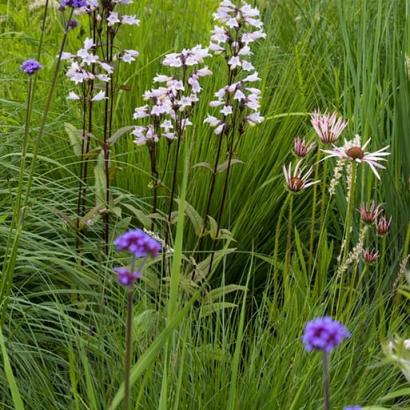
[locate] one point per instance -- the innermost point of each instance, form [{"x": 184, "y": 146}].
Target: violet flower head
[
  {"x": 137, "y": 242},
  {"x": 324, "y": 333},
  {"x": 30, "y": 66},
  {"x": 353, "y": 408},
  {"x": 125, "y": 277},
  {"x": 75, "y": 4}
]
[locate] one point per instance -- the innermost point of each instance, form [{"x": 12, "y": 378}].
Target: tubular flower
[
  {"x": 235, "y": 30},
  {"x": 324, "y": 333},
  {"x": 354, "y": 151},
  {"x": 328, "y": 127},
  {"x": 297, "y": 179}
]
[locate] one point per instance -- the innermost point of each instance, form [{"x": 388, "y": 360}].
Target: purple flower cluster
[
  {"x": 324, "y": 333},
  {"x": 75, "y": 4},
  {"x": 30, "y": 66},
  {"x": 126, "y": 277},
  {"x": 138, "y": 243},
  {"x": 353, "y": 408}
]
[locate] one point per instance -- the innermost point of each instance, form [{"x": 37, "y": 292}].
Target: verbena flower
[
  {"x": 324, "y": 333},
  {"x": 328, "y": 127},
  {"x": 30, "y": 66},
  {"x": 354, "y": 151},
  {"x": 138, "y": 243},
  {"x": 126, "y": 277},
  {"x": 383, "y": 225},
  {"x": 298, "y": 179},
  {"x": 72, "y": 24},
  {"x": 355, "y": 407},
  {"x": 369, "y": 212},
  {"x": 370, "y": 256},
  {"x": 75, "y": 4},
  {"x": 301, "y": 148}
]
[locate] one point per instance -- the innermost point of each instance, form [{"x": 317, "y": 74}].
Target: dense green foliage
[{"x": 233, "y": 340}]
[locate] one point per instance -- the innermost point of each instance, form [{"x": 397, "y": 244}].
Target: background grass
[{"x": 64, "y": 325}]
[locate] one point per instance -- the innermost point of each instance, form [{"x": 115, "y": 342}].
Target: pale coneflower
[
  {"x": 370, "y": 256},
  {"x": 302, "y": 148},
  {"x": 297, "y": 179},
  {"x": 328, "y": 127},
  {"x": 354, "y": 151},
  {"x": 383, "y": 225},
  {"x": 369, "y": 212}
]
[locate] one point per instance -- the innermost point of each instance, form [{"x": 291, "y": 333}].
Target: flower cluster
[
  {"x": 86, "y": 66},
  {"x": 140, "y": 245},
  {"x": 237, "y": 28},
  {"x": 137, "y": 242},
  {"x": 324, "y": 333},
  {"x": 75, "y": 4},
  {"x": 127, "y": 277},
  {"x": 30, "y": 66},
  {"x": 169, "y": 106},
  {"x": 353, "y": 408}
]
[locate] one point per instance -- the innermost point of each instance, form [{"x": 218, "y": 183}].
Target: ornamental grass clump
[
  {"x": 324, "y": 334},
  {"x": 141, "y": 246}
]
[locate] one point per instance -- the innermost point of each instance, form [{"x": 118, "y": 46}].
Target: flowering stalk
[
  {"x": 238, "y": 102},
  {"x": 140, "y": 245},
  {"x": 324, "y": 334}
]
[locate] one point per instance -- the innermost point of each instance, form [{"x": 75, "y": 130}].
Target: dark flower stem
[{"x": 326, "y": 381}]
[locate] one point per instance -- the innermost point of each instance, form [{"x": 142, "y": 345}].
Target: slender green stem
[
  {"x": 289, "y": 235},
  {"x": 326, "y": 381},
  {"x": 276, "y": 253},
  {"x": 349, "y": 214},
  {"x": 128, "y": 350},
  {"x": 313, "y": 216}
]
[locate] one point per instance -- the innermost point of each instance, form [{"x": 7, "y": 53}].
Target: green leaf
[
  {"x": 224, "y": 166},
  {"x": 397, "y": 393},
  {"x": 15, "y": 393},
  {"x": 206, "y": 165},
  {"x": 115, "y": 137},
  {"x": 194, "y": 217},
  {"x": 140, "y": 215},
  {"x": 75, "y": 137},
  {"x": 222, "y": 291},
  {"x": 100, "y": 184},
  {"x": 210, "y": 308}
]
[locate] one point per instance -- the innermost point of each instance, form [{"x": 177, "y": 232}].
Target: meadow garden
[{"x": 205, "y": 204}]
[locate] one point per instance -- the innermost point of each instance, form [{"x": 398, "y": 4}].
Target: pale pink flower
[
  {"x": 354, "y": 151},
  {"x": 301, "y": 148},
  {"x": 328, "y": 126},
  {"x": 369, "y": 212},
  {"x": 298, "y": 179}
]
